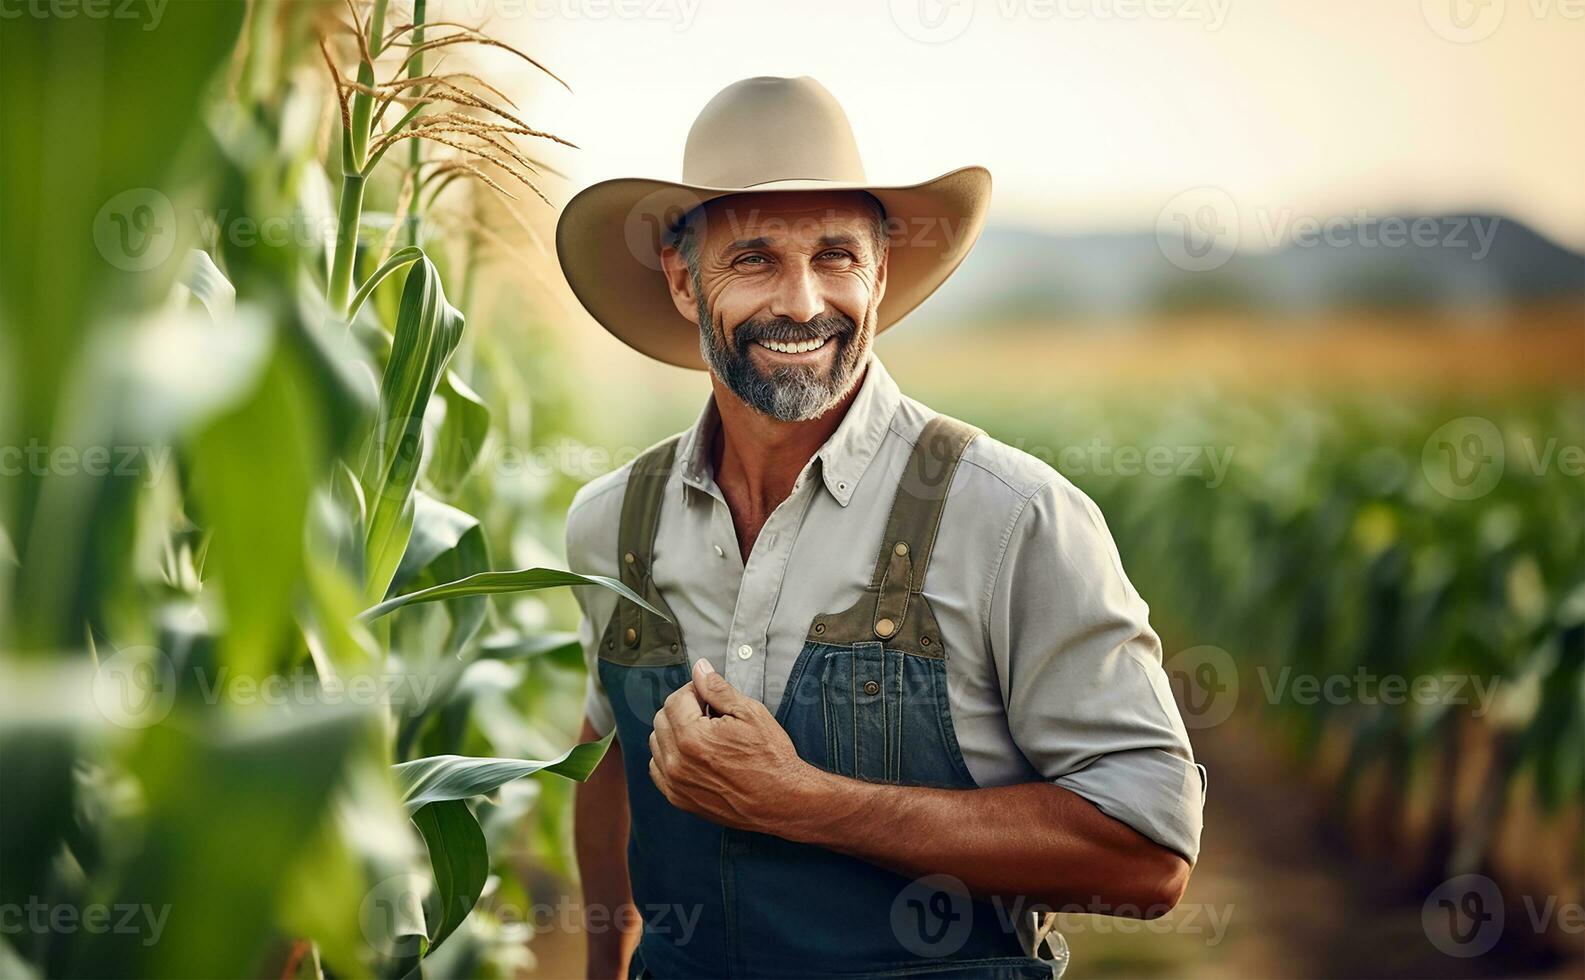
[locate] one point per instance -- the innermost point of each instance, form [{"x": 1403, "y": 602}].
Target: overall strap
[
  {"x": 636, "y": 635},
  {"x": 915, "y": 518}
]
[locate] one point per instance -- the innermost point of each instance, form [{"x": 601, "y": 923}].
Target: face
[{"x": 784, "y": 288}]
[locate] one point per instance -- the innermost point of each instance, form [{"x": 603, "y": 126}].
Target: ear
[
  {"x": 680, "y": 282},
  {"x": 880, "y": 276}
]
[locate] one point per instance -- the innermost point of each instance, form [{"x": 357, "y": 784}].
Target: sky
[{"x": 1095, "y": 114}]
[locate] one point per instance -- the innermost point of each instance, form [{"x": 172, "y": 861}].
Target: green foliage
[
  {"x": 197, "y": 720},
  {"x": 1337, "y": 546}
]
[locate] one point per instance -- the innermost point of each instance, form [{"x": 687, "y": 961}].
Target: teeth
[{"x": 799, "y": 348}]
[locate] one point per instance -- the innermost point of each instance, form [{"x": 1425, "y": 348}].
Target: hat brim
[{"x": 609, "y": 236}]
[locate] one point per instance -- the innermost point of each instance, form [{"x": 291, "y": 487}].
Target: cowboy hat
[{"x": 756, "y": 135}]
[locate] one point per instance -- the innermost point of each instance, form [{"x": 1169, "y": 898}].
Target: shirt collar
[{"x": 844, "y": 457}]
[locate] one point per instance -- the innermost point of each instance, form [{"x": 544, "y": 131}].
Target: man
[{"x": 890, "y": 691}]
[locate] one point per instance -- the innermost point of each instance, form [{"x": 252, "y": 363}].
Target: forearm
[
  {"x": 600, "y": 827},
  {"x": 1032, "y": 840}
]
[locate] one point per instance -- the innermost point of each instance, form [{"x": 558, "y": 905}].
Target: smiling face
[{"x": 784, "y": 288}]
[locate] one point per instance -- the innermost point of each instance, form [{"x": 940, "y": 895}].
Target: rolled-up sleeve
[{"x": 1088, "y": 703}]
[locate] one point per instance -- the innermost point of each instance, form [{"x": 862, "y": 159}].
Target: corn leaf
[
  {"x": 559, "y": 648},
  {"x": 428, "y": 330},
  {"x": 498, "y": 583},
  {"x": 458, "y": 777},
  {"x": 461, "y": 863},
  {"x": 461, "y": 437},
  {"x": 209, "y": 285}
]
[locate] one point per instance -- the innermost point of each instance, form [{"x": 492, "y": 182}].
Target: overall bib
[{"x": 866, "y": 698}]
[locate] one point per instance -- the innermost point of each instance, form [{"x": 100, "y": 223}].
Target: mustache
[{"x": 785, "y": 330}]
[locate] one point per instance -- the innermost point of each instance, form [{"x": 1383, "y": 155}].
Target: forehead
[{"x": 788, "y": 216}]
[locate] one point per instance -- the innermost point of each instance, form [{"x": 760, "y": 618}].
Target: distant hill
[{"x": 1015, "y": 274}]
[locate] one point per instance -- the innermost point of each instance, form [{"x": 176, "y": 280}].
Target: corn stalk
[{"x": 471, "y": 118}]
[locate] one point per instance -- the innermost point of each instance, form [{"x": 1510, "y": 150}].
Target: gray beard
[{"x": 790, "y": 394}]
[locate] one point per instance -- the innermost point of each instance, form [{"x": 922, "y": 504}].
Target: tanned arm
[
  {"x": 1035, "y": 841},
  {"x": 600, "y": 822}
]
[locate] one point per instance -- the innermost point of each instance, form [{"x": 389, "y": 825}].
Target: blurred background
[{"x": 1295, "y": 292}]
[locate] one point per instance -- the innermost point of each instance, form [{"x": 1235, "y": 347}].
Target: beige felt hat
[{"x": 756, "y": 135}]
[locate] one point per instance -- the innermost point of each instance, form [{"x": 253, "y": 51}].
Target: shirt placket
[{"x": 748, "y": 640}]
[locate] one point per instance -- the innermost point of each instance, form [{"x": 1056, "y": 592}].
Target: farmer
[{"x": 890, "y": 692}]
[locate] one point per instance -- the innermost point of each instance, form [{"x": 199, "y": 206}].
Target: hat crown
[{"x": 767, "y": 129}]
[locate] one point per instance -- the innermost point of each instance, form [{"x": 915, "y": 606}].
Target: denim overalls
[{"x": 867, "y": 698}]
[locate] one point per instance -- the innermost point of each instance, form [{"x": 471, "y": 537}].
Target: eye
[
  {"x": 752, "y": 259},
  {"x": 836, "y": 255}
]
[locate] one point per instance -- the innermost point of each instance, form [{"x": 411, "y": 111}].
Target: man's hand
[{"x": 738, "y": 769}]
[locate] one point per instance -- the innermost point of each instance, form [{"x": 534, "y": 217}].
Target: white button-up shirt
[{"x": 1053, "y": 670}]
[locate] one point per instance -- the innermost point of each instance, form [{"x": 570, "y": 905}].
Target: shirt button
[
  {"x": 719, "y": 553},
  {"x": 745, "y": 651}
]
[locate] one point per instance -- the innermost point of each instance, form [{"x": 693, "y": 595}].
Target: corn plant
[
  {"x": 292, "y": 523},
  {"x": 1327, "y": 550}
]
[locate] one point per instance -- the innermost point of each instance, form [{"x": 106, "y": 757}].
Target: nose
[{"x": 797, "y": 294}]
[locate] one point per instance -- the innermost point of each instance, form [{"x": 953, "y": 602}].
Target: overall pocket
[
  {"x": 887, "y": 718},
  {"x": 862, "y": 703}
]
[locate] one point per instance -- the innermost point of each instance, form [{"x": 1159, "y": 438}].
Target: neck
[{"x": 762, "y": 456}]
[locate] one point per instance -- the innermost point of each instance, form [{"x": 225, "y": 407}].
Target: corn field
[
  {"x": 1419, "y": 559},
  {"x": 275, "y": 645}
]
